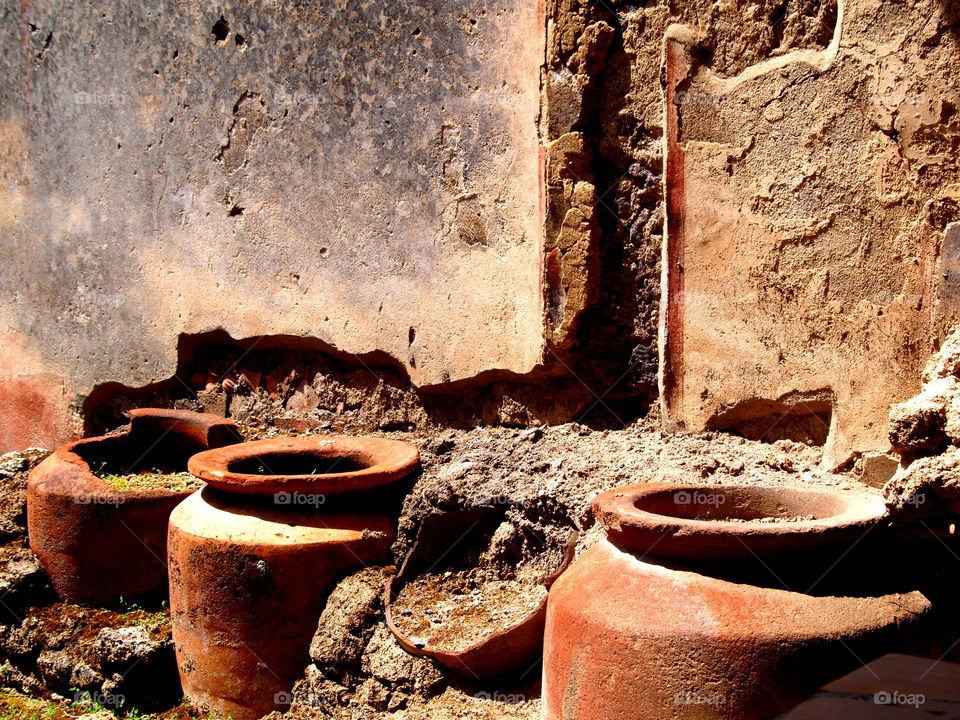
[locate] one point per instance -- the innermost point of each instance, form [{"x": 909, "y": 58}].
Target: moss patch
[{"x": 151, "y": 479}]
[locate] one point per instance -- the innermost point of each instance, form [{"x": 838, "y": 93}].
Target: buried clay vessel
[
  {"x": 252, "y": 560},
  {"x": 506, "y": 652},
  {"x": 718, "y": 602},
  {"x": 99, "y": 543},
  {"x": 311, "y": 465}
]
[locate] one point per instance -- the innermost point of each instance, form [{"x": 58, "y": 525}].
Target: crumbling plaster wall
[
  {"x": 366, "y": 173},
  {"x": 249, "y": 212},
  {"x": 812, "y": 196},
  {"x": 812, "y": 217}
]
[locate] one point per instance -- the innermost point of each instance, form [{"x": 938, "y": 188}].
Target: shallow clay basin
[
  {"x": 731, "y": 521},
  {"x": 324, "y": 465},
  {"x": 508, "y": 651}
]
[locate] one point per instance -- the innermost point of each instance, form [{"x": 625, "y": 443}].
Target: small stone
[
  {"x": 773, "y": 112},
  {"x": 531, "y": 435},
  {"x": 126, "y": 644},
  {"x": 12, "y": 465},
  {"x": 917, "y": 425},
  {"x": 251, "y": 379},
  {"x": 877, "y": 469}
]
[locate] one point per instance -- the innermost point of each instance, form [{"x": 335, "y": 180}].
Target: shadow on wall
[
  {"x": 800, "y": 417},
  {"x": 301, "y": 383}
]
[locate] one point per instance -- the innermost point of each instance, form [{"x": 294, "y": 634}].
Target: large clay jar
[
  {"x": 253, "y": 559},
  {"x": 99, "y": 544},
  {"x": 718, "y": 602}
]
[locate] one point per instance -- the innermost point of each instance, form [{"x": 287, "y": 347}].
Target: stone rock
[
  {"x": 346, "y": 623},
  {"x": 927, "y": 486},
  {"x": 925, "y": 423},
  {"x": 532, "y": 434},
  {"x": 952, "y": 424},
  {"x": 876, "y": 469},
  {"x": 62, "y": 668},
  {"x": 373, "y": 693},
  {"x": 213, "y": 401},
  {"x": 23, "y": 580},
  {"x": 127, "y": 645},
  {"x": 386, "y": 661},
  {"x": 139, "y": 664},
  {"x": 55, "y": 666},
  {"x": 945, "y": 363},
  {"x": 14, "y": 468},
  {"x": 11, "y": 464},
  {"x": 917, "y": 425},
  {"x": 83, "y": 676}
]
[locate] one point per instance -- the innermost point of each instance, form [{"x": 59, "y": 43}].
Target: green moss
[{"x": 150, "y": 479}]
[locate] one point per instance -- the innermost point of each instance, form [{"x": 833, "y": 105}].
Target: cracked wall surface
[
  {"x": 475, "y": 194},
  {"x": 812, "y": 214},
  {"x": 365, "y": 173}
]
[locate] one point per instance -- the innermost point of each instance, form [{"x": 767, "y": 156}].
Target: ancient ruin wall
[
  {"x": 266, "y": 226},
  {"x": 365, "y": 173},
  {"x": 812, "y": 209},
  {"x": 827, "y": 128}
]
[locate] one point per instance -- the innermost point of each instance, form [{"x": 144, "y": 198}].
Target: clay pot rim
[
  {"x": 386, "y": 461},
  {"x": 636, "y": 529},
  {"x": 78, "y": 471},
  {"x": 67, "y": 453}
]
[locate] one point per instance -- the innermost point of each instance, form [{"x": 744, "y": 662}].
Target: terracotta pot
[
  {"x": 501, "y": 654},
  {"x": 634, "y": 634},
  {"x": 698, "y": 522},
  {"x": 327, "y": 465},
  {"x": 98, "y": 543},
  {"x": 249, "y": 575}
]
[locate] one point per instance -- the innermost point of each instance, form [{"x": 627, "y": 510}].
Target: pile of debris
[{"x": 925, "y": 431}]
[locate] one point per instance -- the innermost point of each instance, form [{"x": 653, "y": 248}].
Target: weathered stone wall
[
  {"x": 369, "y": 176},
  {"x": 811, "y": 196},
  {"x": 812, "y": 212},
  {"x": 365, "y": 173}
]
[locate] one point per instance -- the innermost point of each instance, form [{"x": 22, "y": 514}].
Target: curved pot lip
[
  {"x": 387, "y": 461},
  {"x": 640, "y": 530},
  {"x": 83, "y": 476},
  {"x": 75, "y": 473}
]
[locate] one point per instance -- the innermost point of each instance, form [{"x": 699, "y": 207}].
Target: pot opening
[
  {"x": 128, "y": 466},
  {"x": 759, "y": 504},
  {"x": 280, "y": 463}
]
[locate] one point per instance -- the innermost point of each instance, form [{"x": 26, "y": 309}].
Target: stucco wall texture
[
  {"x": 480, "y": 191},
  {"x": 362, "y": 172},
  {"x": 812, "y": 222}
]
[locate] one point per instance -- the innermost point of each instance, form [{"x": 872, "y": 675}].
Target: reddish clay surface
[
  {"x": 696, "y": 521},
  {"x": 247, "y": 586},
  {"x": 326, "y": 465},
  {"x": 497, "y": 655},
  {"x": 676, "y": 68},
  {"x": 97, "y": 543},
  {"x": 629, "y": 639}
]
